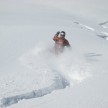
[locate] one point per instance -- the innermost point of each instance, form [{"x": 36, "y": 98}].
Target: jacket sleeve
[
  {"x": 67, "y": 43},
  {"x": 55, "y": 38}
]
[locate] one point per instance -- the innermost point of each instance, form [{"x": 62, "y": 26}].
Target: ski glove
[{"x": 57, "y": 33}]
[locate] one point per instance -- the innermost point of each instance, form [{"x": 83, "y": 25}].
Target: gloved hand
[{"x": 57, "y": 33}]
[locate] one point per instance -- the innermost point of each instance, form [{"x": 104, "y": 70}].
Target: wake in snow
[
  {"x": 51, "y": 72},
  {"x": 67, "y": 64}
]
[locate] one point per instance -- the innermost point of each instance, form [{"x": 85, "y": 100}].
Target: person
[{"x": 60, "y": 42}]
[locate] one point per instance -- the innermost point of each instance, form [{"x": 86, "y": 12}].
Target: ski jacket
[{"x": 62, "y": 42}]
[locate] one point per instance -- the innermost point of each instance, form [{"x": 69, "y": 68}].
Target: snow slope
[{"x": 31, "y": 76}]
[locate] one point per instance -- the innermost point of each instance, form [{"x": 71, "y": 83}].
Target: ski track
[
  {"x": 93, "y": 54},
  {"x": 76, "y": 73},
  {"x": 85, "y": 26},
  {"x": 103, "y": 35},
  {"x": 59, "y": 83},
  {"x": 100, "y": 34},
  {"x": 104, "y": 24},
  {"x": 93, "y": 57}
]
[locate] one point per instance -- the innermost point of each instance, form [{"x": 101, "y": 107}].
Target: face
[{"x": 61, "y": 35}]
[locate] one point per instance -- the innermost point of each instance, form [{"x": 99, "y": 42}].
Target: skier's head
[{"x": 62, "y": 34}]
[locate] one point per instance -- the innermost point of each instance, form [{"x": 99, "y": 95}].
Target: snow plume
[
  {"x": 73, "y": 67},
  {"x": 69, "y": 64},
  {"x": 49, "y": 72}
]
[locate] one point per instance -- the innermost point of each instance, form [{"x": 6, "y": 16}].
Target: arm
[
  {"x": 55, "y": 38},
  {"x": 67, "y": 44}
]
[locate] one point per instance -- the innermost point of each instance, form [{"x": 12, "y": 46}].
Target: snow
[{"x": 32, "y": 76}]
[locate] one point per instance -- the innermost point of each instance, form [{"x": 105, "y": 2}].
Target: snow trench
[
  {"x": 65, "y": 70},
  {"x": 59, "y": 83}
]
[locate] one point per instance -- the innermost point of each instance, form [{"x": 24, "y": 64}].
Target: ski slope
[{"x": 32, "y": 76}]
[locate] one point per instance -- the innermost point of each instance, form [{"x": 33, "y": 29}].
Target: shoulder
[{"x": 65, "y": 40}]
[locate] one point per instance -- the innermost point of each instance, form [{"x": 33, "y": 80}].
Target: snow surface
[{"x": 32, "y": 76}]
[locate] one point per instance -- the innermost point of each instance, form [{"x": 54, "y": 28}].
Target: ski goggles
[{"x": 62, "y": 34}]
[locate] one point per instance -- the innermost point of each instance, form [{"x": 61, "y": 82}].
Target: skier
[{"x": 60, "y": 42}]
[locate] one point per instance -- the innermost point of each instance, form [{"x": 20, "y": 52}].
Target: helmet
[{"x": 62, "y": 33}]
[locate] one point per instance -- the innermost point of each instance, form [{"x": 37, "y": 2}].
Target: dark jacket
[{"x": 61, "y": 41}]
